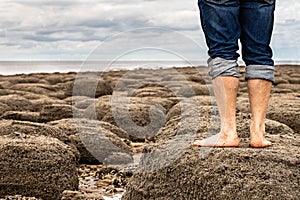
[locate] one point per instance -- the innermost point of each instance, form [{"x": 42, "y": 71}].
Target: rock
[
  {"x": 291, "y": 87},
  {"x": 104, "y": 149},
  {"x": 4, "y": 108},
  {"x": 19, "y": 79},
  {"x": 81, "y": 102},
  {"x": 90, "y": 85},
  {"x": 75, "y": 195},
  {"x": 295, "y": 80},
  {"x": 285, "y": 110},
  {"x": 151, "y": 113},
  {"x": 185, "y": 118},
  {"x": 55, "y": 112},
  {"x": 166, "y": 103},
  {"x": 18, "y": 197},
  {"x": 5, "y": 84},
  {"x": 36, "y": 88},
  {"x": 40, "y": 102},
  {"x": 218, "y": 173},
  {"x": 4, "y": 92},
  {"x": 37, "y": 101},
  {"x": 27, "y": 95},
  {"x": 56, "y": 78},
  {"x": 153, "y": 91},
  {"x": 70, "y": 126},
  {"x": 202, "y": 89},
  {"x": 193, "y": 89},
  {"x": 17, "y": 103},
  {"x": 86, "y": 157},
  {"x": 8, "y": 127},
  {"x": 277, "y": 128},
  {"x": 36, "y": 166},
  {"x": 215, "y": 173},
  {"x": 280, "y": 80},
  {"x": 114, "y": 129},
  {"x": 197, "y": 78},
  {"x": 138, "y": 120},
  {"x": 139, "y": 117},
  {"x": 294, "y": 75},
  {"x": 99, "y": 109},
  {"x": 205, "y": 100},
  {"x": 118, "y": 158},
  {"x": 22, "y": 116},
  {"x": 194, "y": 71},
  {"x": 126, "y": 83},
  {"x": 187, "y": 172},
  {"x": 95, "y": 140},
  {"x": 281, "y": 90},
  {"x": 115, "y": 139}
]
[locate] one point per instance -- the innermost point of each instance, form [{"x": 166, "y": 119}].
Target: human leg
[
  {"x": 256, "y": 19},
  {"x": 219, "y": 21},
  {"x": 259, "y": 93},
  {"x": 225, "y": 89}
]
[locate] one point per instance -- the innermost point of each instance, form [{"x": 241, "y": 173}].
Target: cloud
[{"x": 71, "y": 29}]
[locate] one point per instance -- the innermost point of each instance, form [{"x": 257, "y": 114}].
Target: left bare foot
[{"x": 219, "y": 140}]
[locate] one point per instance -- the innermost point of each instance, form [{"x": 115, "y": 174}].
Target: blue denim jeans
[{"x": 224, "y": 22}]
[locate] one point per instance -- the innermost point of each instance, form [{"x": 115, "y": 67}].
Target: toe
[
  {"x": 262, "y": 144},
  {"x": 197, "y": 143}
]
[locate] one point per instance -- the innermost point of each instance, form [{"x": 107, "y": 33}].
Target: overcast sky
[{"x": 72, "y": 29}]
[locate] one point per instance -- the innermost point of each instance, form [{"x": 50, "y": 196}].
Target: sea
[{"x": 27, "y": 67}]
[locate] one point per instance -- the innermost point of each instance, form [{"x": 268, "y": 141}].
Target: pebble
[
  {"x": 137, "y": 144},
  {"x": 94, "y": 167},
  {"x": 18, "y": 197},
  {"x": 137, "y": 150},
  {"x": 115, "y": 197},
  {"x": 102, "y": 179}
]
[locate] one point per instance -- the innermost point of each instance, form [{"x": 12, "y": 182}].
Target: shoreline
[{"x": 11, "y": 68}]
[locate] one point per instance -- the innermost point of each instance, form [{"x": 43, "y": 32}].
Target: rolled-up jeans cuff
[
  {"x": 222, "y": 67},
  {"x": 265, "y": 72}
]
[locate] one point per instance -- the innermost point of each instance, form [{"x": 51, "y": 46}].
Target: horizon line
[{"x": 158, "y": 60}]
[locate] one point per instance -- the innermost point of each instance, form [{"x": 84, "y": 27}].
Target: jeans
[{"x": 224, "y": 22}]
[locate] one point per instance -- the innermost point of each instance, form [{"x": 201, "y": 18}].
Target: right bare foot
[
  {"x": 219, "y": 140},
  {"x": 260, "y": 143},
  {"x": 257, "y": 138}
]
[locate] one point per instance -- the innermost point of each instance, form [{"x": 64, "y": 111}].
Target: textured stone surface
[
  {"x": 8, "y": 127},
  {"x": 125, "y": 110},
  {"x": 216, "y": 173},
  {"x": 97, "y": 141},
  {"x": 36, "y": 166}
]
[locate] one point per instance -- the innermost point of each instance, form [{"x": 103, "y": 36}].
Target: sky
[{"x": 130, "y": 30}]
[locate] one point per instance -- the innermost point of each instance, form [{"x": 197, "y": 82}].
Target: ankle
[
  {"x": 228, "y": 127},
  {"x": 257, "y": 127},
  {"x": 228, "y": 132}
]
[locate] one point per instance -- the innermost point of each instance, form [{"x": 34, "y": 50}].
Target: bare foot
[
  {"x": 258, "y": 140},
  {"x": 219, "y": 140},
  {"x": 260, "y": 144}
]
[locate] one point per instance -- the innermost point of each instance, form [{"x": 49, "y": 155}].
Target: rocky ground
[{"x": 99, "y": 135}]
